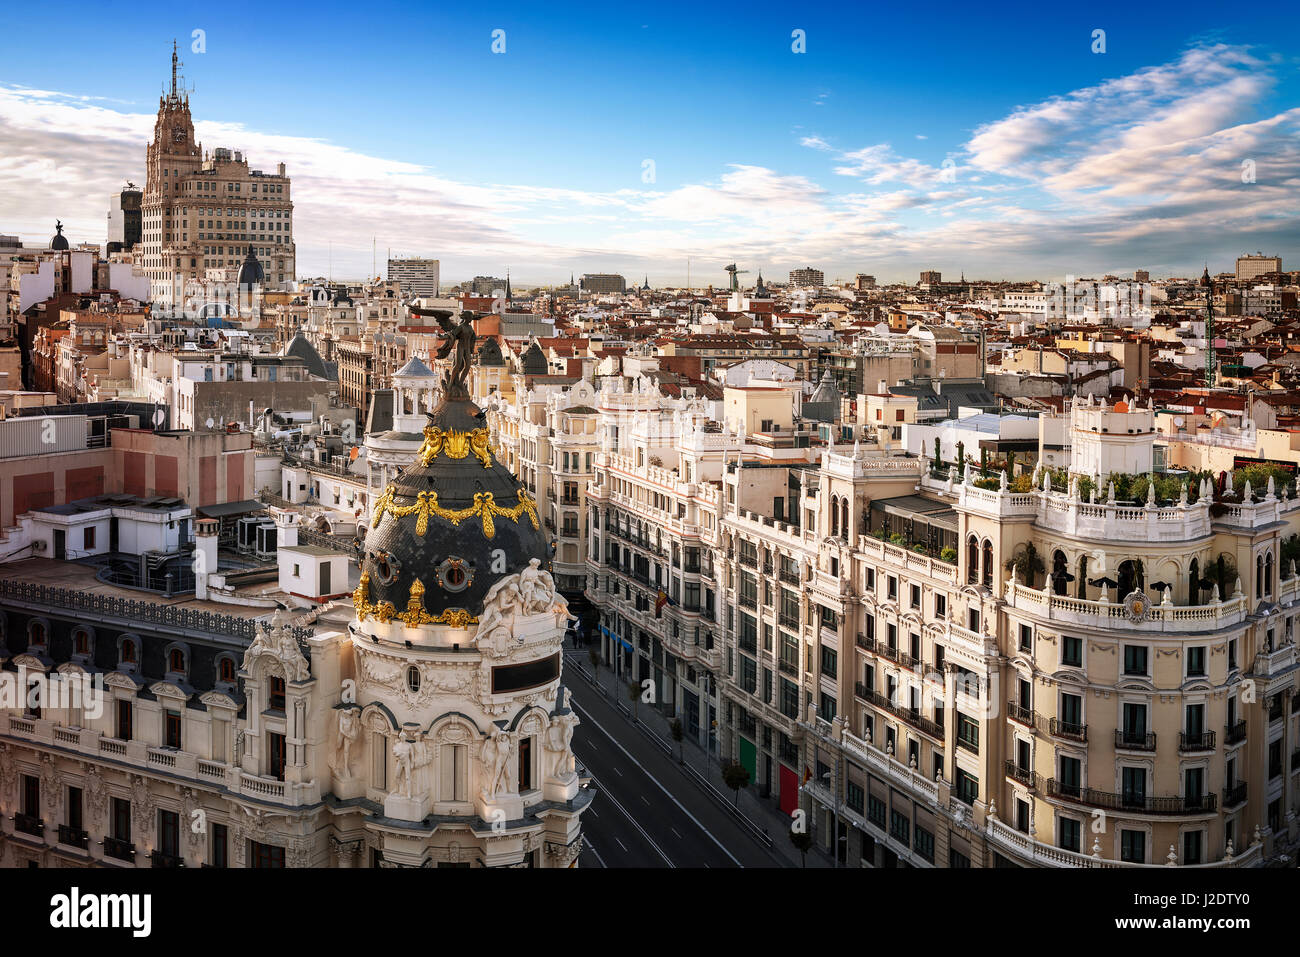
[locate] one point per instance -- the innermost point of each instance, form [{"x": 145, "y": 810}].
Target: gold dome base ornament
[
  {"x": 455, "y": 444},
  {"x": 456, "y": 618},
  {"x": 484, "y": 507}
]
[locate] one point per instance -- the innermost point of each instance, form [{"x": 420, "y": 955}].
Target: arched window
[
  {"x": 176, "y": 661},
  {"x": 1059, "y": 572},
  {"x": 36, "y": 633},
  {"x": 128, "y": 651},
  {"x": 835, "y": 516},
  {"x": 844, "y": 519},
  {"x": 81, "y": 642},
  {"x": 1268, "y": 573},
  {"x": 988, "y": 563},
  {"x": 973, "y": 560},
  {"x": 1083, "y": 577},
  {"x": 1194, "y": 583},
  {"x": 1259, "y": 576},
  {"x": 226, "y": 670}
]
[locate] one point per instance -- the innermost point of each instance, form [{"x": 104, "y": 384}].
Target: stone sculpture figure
[
  {"x": 349, "y": 731},
  {"x": 496, "y": 755},
  {"x": 559, "y": 739}
]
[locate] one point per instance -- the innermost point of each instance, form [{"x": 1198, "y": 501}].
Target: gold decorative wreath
[
  {"x": 426, "y": 504},
  {"x": 455, "y": 444},
  {"x": 415, "y": 613}
]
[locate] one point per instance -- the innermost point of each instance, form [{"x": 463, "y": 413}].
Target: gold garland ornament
[
  {"x": 484, "y": 507},
  {"x": 415, "y": 614},
  {"x": 455, "y": 444}
]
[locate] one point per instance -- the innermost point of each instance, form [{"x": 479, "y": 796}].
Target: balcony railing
[
  {"x": 1235, "y": 732},
  {"x": 1067, "y": 729},
  {"x": 1196, "y": 742},
  {"x": 1019, "y": 713},
  {"x": 73, "y": 837},
  {"x": 1025, "y": 776},
  {"x": 911, "y": 715},
  {"x": 1135, "y": 740},
  {"x": 790, "y": 578},
  {"x": 29, "y": 824},
  {"x": 788, "y": 621},
  {"x": 1132, "y": 801},
  {"x": 787, "y": 668},
  {"x": 1234, "y": 794},
  {"x": 119, "y": 849},
  {"x": 159, "y": 859}
]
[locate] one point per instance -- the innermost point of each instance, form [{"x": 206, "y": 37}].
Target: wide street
[{"x": 647, "y": 812}]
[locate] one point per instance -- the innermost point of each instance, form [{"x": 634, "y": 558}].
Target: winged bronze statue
[{"x": 460, "y": 338}]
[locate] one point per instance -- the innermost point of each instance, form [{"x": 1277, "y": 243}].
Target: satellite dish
[
  {"x": 209, "y": 422},
  {"x": 1178, "y": 421}
]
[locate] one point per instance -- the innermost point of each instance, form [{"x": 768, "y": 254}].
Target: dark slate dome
[
  {"x": 59, "y": 241},
  {"x": 533, "y": 361},
  {"x": 250, "y": 273},
  {"x": 489, "y": 354},
  {"x": 446, "y": 522}
]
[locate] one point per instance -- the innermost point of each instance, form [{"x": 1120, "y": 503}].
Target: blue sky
[{"x": 400, "y": 123}]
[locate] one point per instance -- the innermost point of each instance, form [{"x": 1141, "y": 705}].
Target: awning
[
  {"x": 614, "y": 637},
  {"x": 226, "y": 509}
]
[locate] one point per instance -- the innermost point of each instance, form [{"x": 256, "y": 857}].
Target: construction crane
[
  {"x": 733, "y": 272},
  {"x": 1211, "y": 361}
]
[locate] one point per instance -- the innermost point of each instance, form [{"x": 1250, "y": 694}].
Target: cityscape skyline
[{"x": 1141, "y": 157}]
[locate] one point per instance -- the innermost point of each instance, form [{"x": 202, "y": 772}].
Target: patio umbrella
[
  {"x": 1103, "y": 583},
  {"x": 1161, "y": 586}
]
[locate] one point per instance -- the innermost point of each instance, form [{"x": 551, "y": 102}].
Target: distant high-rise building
[
  {"x": 863, "y": 281},
  {"x": 486, "y": 285},
  {"x": 807, "y": 276},
  {"x": 603, "y": 282},
  {"x": 124, "y": 219},
  {"x": 1251, "y": 267},
  {"x": 1141, "y": 275},
  {"x": 931, "y": 277},
  {"x": 206, "y": 211},
  {"x": 418, "y": 277}
]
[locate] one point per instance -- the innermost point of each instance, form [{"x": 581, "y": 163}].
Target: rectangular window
[
  {"x": 169, "y": 833},
  {"x": 968, "y": 732},
  {"x": 525, "y": 764},
  {"x": 876, "y": 811},
  {"x": 1135, "y": 660},
  {"x": 899, "y": 826},
  {"x": 923, "y": 844},
  {"x": 1196, "y": 662},
  {"x": 172, "y": 730},
  {"x": 74, "y": 808},
  {"x": 124, "y": 719},
  {"x": 275, "y": 748},
  {"x": 1133, "y": 846},
  {"x": 263, "y": 855},
  {"x": 1071, "y": 651},
  {"x": 1026, "y": 638},
  {"x": 219, "y": 855},
  {"x": 1069, "y": 836},
  {"x": 31, "y": 795},
  {"x": 829, "y": 663},
  {"x": 120, "y": 823},
  {"x": 855, "y": 797},
  {"x": 968, "y": 786}
]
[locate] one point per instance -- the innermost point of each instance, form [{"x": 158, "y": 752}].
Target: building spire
[{"x": 174, "y": 69}]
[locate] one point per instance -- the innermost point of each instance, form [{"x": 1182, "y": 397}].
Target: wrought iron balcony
[
  {"x": 790, "y": 578},
  {"x": 1022, "y": 715},
  {"x": 1234, "y": 794},
  {"x": 788, "y": 621},
  {"x": 1128, "y": 740},
  {"x": 1060, "y": 728},
  {"x": 73, "y": 837},
  {"x": 29, "y": 824},
  {"x": 159, "y": 859},
  {"x": 1024, "y": 775},
  {"x": 119, "y": 849},
  {"x": 1235, "y": 732},
  {"x": 1204, "y": 741},
  {"x": 1133, "y": 801}
]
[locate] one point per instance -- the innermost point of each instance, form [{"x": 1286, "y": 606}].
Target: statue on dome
[{"x": 460, "y": 338}]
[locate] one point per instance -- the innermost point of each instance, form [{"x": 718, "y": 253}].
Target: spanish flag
[
  {"x": 662, "y": 600},
  {"x": 807, "y": 775}
]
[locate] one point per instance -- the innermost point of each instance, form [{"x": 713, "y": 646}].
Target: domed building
[
  {"x": 59, "y": 241},
  {"x": 460, "y": 719}
]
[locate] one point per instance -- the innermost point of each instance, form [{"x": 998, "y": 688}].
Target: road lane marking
[
  {"x": 586, "y": 715},
  {"x": 633, "y": 821},
  {"x": 599, "y": 860},
  {"x": 622, "y": 845},
  {"x": 674, "y": 830}
]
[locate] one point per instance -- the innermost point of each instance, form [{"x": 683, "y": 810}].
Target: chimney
[{"x": 205, "y": 554}]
